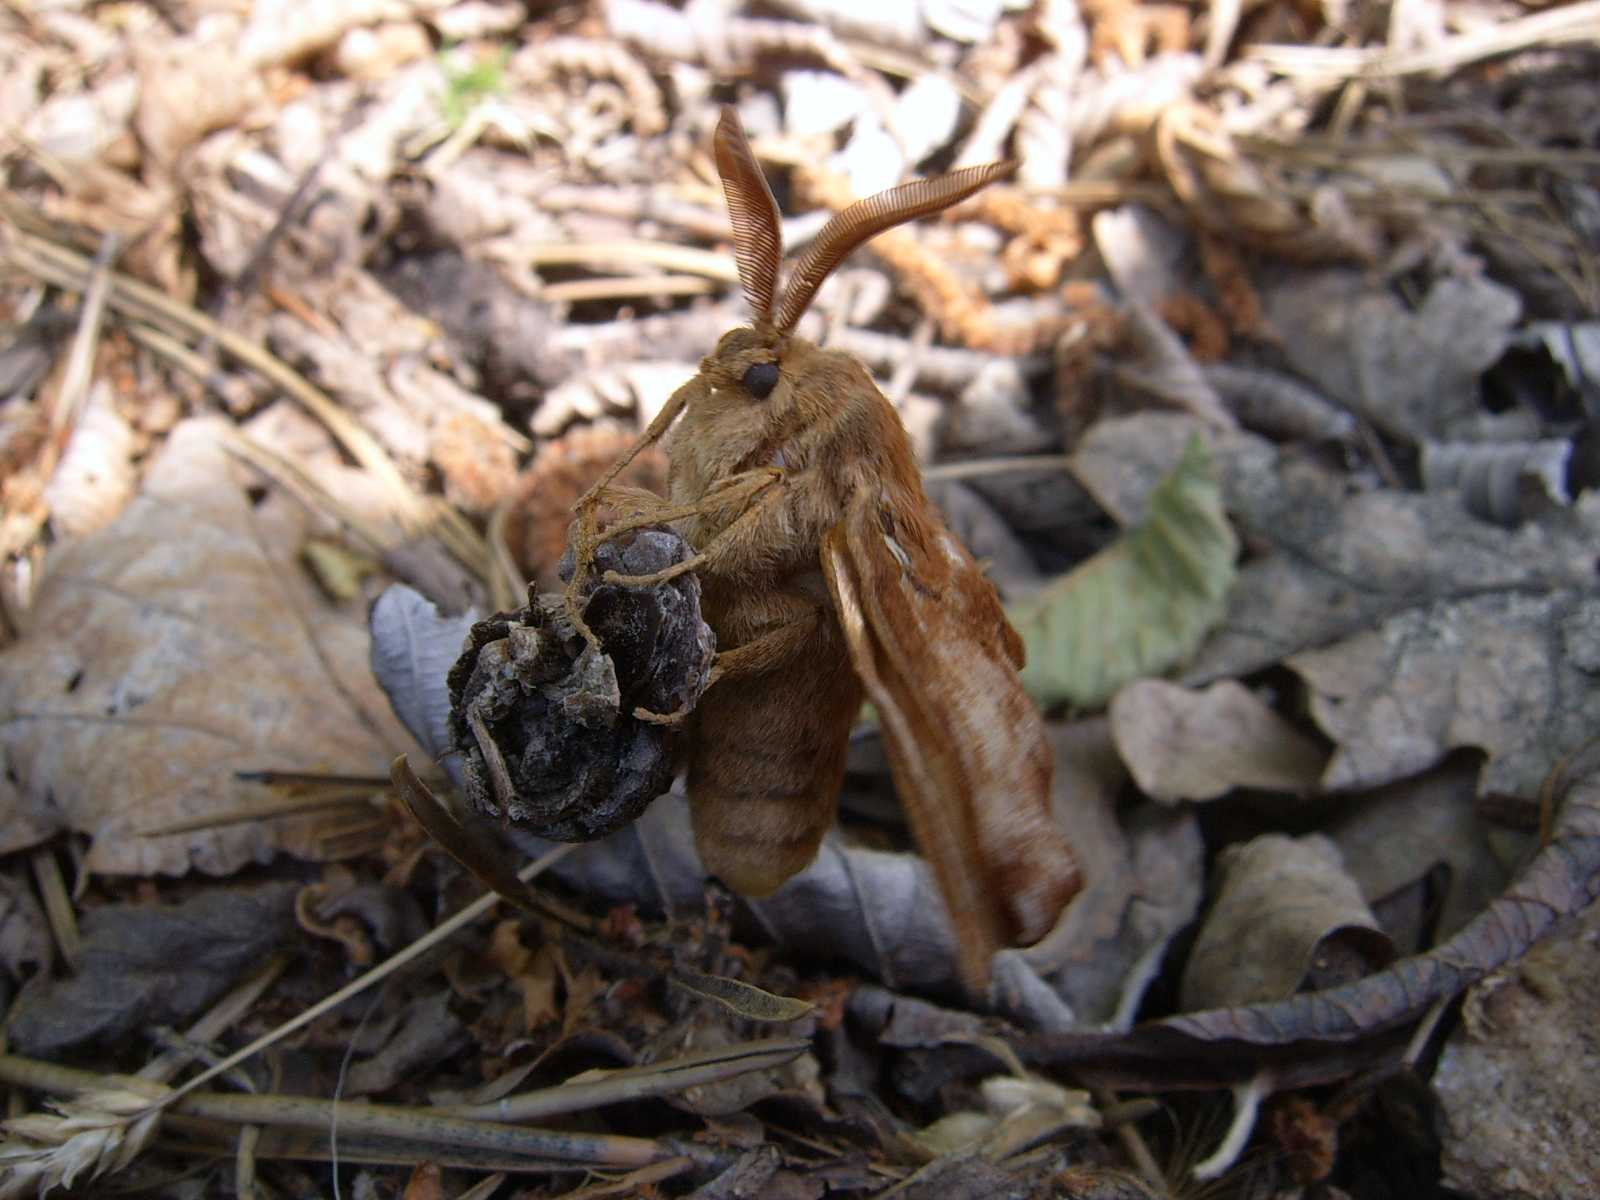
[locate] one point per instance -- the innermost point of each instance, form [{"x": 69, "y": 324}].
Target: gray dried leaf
[
  {"x": 1156, "y": 363},
  {"x": 1143, "y": 252},
  {"x": 993, "y": 414},
  {"x": 1574, "y": 346},
  {"x": 1506, "y": 673},
  {"x": 1188, "y": 745},
  {"x": 159, "y": 663},
  {"x": 1320, "y": 1037},
  {"x": 1392, "y": 836},
  {"x": 1503, "y": 482},
  {"x": 1142, "y": 883},
  {"x": 429, "y": 1033},
  {"x": 413, "y": 648},
  {"x": 1413, "y": 374},
  {"x": 154, "y": 964},
  {"x": 24, "y": 933},
  {"x": 1278, "y": 405},
  {"x": 1283, "y": 903},
  {"x": 1432, "y": 629},
  {"x": 1330, "y": 561},
  {"x": 510, "y": 338}
]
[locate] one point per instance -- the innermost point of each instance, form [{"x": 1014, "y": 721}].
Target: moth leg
[
  {"x": 771, "y": 651},
  {"x": 669, "y": 720},
  {"x": 714, "y": 547},
  {"x": 651, "y": 509},
  {"x": 645, "y": 513},
  {"x": 654, "y": 433}
]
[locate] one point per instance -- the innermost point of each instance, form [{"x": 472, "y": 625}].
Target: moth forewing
[{"x": 970, "y": 758}]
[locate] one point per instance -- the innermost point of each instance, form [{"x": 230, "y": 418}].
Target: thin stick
[
  {"x": 57, "y": 903},
  {"x": 979, "y": 468},
  {"x": 223, "y": 1015},
  {"x": 573, "y": 291},
  {"x": 684, "y": 260},
  {"x": 79, "y": 374},
  {"x": 638, "y": 1083},
  {"x": 408, "y": 1124}
]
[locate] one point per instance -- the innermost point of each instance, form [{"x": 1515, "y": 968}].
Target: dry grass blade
[
  {"x": 865, "y": 218},
  {"x": 639, "y": 1083},
  {"x": 383, "y": 970},
  {"x": 110, "y": 1120},
  {"x": 576, "y": 291},
  {"x": 108, "y": 1126},
  {"x": 105, "y": 1129},
  {"x": 757, "y": 243},
  {"x": 57, "y": 903},
  {"x": 743, "y": 999},
  {"x": 1568, "y": 24},
  {"x": 100, "y": 1132},
  {"x": 631, "y": 254},
  {"x": 74, "y": 390},
  {"x": 129, "y": 298},
  {"x": 458, "y": 1128}
]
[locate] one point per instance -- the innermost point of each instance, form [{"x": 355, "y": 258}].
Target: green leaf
[{"x": 1140, "y": 606}]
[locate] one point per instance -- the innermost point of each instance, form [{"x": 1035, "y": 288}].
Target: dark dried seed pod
[{"x": 545, "y": 724}]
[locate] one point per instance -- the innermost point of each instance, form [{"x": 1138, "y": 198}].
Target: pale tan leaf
[
  {"x": 1284, "y": 904},
  {"x": 189, "y": 87},
  {"x": 1188, "y": 745},
  {"x": 178, "y": 646},
  {"x": 95, "y": 477}
]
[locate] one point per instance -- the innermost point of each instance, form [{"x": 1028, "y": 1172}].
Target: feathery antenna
[
  {"x": 757, "y": 244},
  {"x": 870, "y": 217}
]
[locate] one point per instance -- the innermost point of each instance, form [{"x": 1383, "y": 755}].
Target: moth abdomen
[{"x": 766, "y": 767}]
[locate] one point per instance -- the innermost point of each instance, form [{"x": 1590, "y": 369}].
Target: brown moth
[{"x": 827, "y": 573}]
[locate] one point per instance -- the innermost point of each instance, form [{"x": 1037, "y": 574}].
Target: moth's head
[
  {"x": 762, "y": 385},
  {"x": 758, "y": 244}
]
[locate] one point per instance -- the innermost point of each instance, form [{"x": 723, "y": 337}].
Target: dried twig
[
  {"x": 1565, "y": 25},
  {"x": 57, "y": 903}
]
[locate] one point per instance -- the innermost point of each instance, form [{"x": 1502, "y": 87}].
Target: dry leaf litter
[{"x": 1267, "y": 392}]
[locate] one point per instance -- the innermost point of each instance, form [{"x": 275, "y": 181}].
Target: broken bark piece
[{"x": 547, "y": 723}]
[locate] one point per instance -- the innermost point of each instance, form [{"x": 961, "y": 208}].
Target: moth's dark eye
[{"x": 760, "y": 379}]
